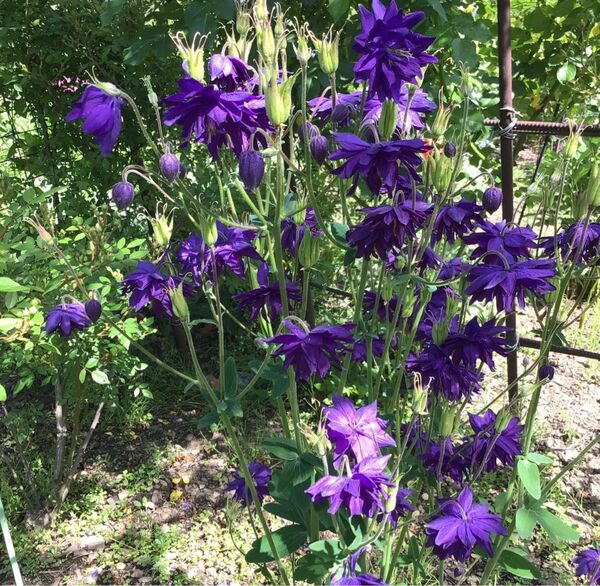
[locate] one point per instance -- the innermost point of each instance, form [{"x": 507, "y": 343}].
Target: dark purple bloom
[
  {"x": 292, "y": 233},
  {"x": 230, "y": 73},
  {"x": 349, "y": 576},
  {"x": 251, "y": 169},
  {"x": 386, "y": 227},
  {"x": 101, "y": 115},
  {"x": 377, "y": 163},
  {"x": 231, "y": 247},
  {"x": 93, "y": 309},
  {"x": 461, "y": 526},
  {"x": 312, "y": 352},
  {"x": 452, "y": 268},
  {"x": 169, "y": 166},
  {"x": 443, "y": 375},
  {"x": 588, "y": 564},
  {"x": 359, "y": 431},
  {"x": 384, "y": 310},
  {"x": 319, "y": 148},
  {"x": 122, "y": 194},
  {"x": 450, "y": 150},
  {"x": 67, "y": 317},
  {"x": 452, "y": 463},
  {"x": 148, "y": 285},
  {"x": 215, "y": 118},
  {"x": 488, "y": 446},
  {"x": 489, "y": 282},
  {"x": 492, "y": 199},
  {"x": 455, "y": 219},
  {"x": 266, "y": 295},
  {"x": 391, "y": 53},
  {"x": 403, "y": 506},
  {"x": 512, "y": 243},
  {"x": 261, "y": 475},
  {"x": 477, "y": 343},
  {"x": 359, "y": 349},
  {"x": 362, "y": 493},
  {"x": 574, "y": 237},
  {"x": 546, "y": 372}
]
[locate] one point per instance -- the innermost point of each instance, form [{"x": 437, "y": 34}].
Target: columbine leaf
[
  {"x": 525, "y": 522},
  {"x": 556, "y": 529},
  {"x": 529, "y": 474},
  {"x": 286, "y": 540},
  {"x": 518, "y": 565}
]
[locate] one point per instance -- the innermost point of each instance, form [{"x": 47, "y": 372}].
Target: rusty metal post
[{"x": 506, "y": 162}]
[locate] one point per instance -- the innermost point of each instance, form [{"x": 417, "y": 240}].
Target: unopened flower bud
[
  {"x": 309, "y": 250},
  {"x": 546, "y": 372},
  {"x": 180, "y": 306},
  {"x": 122, "y": 194},
  {"x": 169, "y": 166},
  {"x": 450, "y": 149},
  {"x": 93, "y": 309},
  {"x": 42, "y": 232},
  {"x": 388, "y": 119},
  {"x": 209, "y": 230},
  {"x": 491, "y": 199},
  {"x": 307, "y": 129},
  {"x": 319, "y": 148},
  {"x": 592, "y": 192},
  {"x": 251, "y": 169}
]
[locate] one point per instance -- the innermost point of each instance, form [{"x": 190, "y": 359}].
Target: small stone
[
  {"x": 123, "y": 494},
  {"x": 157, "y": 498}
]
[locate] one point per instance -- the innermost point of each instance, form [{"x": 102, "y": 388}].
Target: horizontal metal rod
[{"x": 553, "y": 128}]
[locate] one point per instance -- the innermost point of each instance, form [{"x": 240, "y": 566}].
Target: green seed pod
[
  {"x": 502, "y": 420},
  {"x": 419, "y": 398},
  {"x": 162, "y": 228},
  {"x": 447, "y": 421},
  {"x": 592, "y": 192},
  {"x": 328, "y": 51},
  {"x": 180, "y": 306},
  {"x": 209, "y": 231},
  {"x": 388, "y": 119},
  {"x": 309, "y": 250}
]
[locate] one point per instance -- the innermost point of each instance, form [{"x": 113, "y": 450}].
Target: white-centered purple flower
[
  {"x": 362, "y": 493},
  {"x": 358, "y": 431},
  {"x": 461, "y": 526},
  {"x": 66, "y": 317},
  {"x": 390, "y": 52},
  {"x": 101, "y": 115},
  {"x": 312, "y": 351}
]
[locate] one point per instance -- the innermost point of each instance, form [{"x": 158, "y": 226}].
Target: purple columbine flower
[
  {"x": 384, "y": 310},
  {"x": 588, "y": 564},
  {"x": 359, "y": 349},
  {"x": 452, "y": 465},
  {"x": 403, "y": 506},
  {"x": 266, "y": 296},
  {"x": 377, "y": 163},
  {"x": 386, "y": 227},
  {"x": 148, "y": 285},
  {"x": 569, "y": 241},
  {"x": 455, "y": 220},
  {"x": 215, "y": 118},
  {"x": 477, "y": 343},
  {"x": 504, "y": 283},
  {"x": 390, "y": 52},
  {"x": 362, "y": 493},
  {"x": 452, "y": 268},
  {"x": 101, "y": 115},
  {"x": 292, "y": 233},
  {"x": 261, "y": 475},
  {"x": 443, "y": 375},
  {"x": 230, "y": 73},
  {"x": 359, "y": 431},
  {"x": 66, "y": 317},
  {"x": 512, "y": 243},
  {"x": 231, "y": 247},
  {"x": 461, "y": 526},
  {"x": 488, "y": 446},
  {"x": 312, "y": 351},
  {"x": 349, "y": 576}
]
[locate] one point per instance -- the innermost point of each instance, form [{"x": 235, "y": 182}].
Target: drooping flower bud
[
  {"x": 388, "y": 119},
  {"x": 122, "y": 194},
  {"x": 192, "y": 55},
  {"x": 450, "y": 149},
  {"x": 340, "y": 113},
  {"x": 209, "y": 230},
  {"x": 251, "y": 169},
  {"x": 180, "y": 306},
  {"x": 319, "y": 148},
  {"x": 169, "y": 166},
  {"x": 592, "y": 192},
  {"x": 93, "y": 309},
  {"x": 42, "y": 232},
  {"x": 492, "y": 199},
  {"x": 309, "y": 250},
  {"x": 546, "y": 373},
  {"x": 328, "y": 51},
  {"x": 307, "y": 129}
]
